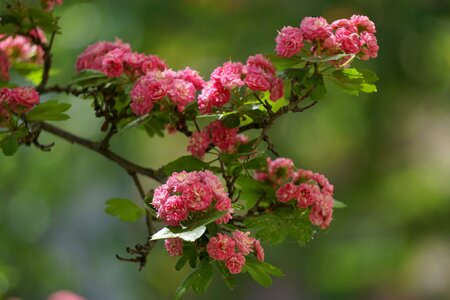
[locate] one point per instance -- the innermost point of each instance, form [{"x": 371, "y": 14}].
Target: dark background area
[{"x": 388, "y": 155}]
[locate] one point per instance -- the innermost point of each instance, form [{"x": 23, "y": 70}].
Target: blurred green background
[{"x": 388, "y": 155}]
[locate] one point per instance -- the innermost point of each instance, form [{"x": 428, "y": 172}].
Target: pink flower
[
  {"x": 287, "y": 192},
  {"x": 181, "y": 93},
  {"x": 229, "y": 75},
  {"x": 212, "y": 95},
  {"x": 277, "y": 89},
  {"x": 221, "y": 247},
  {"x": 370, "y": 46},
  {"x": 21, "y": 49},
  {"x": 244, "y": 242},
  {"x": 226, "y": 217},
  {"x": 48, "y": 5},
  {"x": 198, "y": 143},
  {"x": 363, "y": 23},
  {"x": 146, "y": 91},
  {"x": 221, "y": 136},
  {"x": 198, "y": 197},
  {"x": 160, "y": 196},
  {"x": 112, "y": 64},
  {"x": 235, "y": 263},
  {"x": 174, "y": 211},
  {"x": 193, "y": 77},
  {"x": 23, "y": 98},
  {"x": 350, "y": 42},
  {"x": 314, "y": 28},
  {"x": 289, "y": 41},
  {"x": 307, "y": 194},
  {"x": 322, "y": 211},
  {"x": 92, "y": 57},
  {"x": 65, "y": 295},
  {"x": 280, "y": 169},
  {"x": 152, "y": 63},
  {"x": 344, "y": 23},
  {"x": 174, "y": 246},
  {"x": 259, "y": 251},
  {"x": 258, "y": 82},
  {"x": 259, "y": 64},
  {"x": 4, "y": 66}
]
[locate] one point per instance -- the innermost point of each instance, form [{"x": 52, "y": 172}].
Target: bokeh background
[{"x": 388, "y": 155}]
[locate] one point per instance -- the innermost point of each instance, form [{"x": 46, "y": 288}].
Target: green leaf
[
  {"x": 338, "y": 204},
  {"x": 319, "y": 90},
  {"x": 268, "y": 268},
  {"x": 183, "y": 259},
  {"x": 51, "y": 110},
  {"x": 256, "y": 163},
  {"x": 43, "y": 19},
  {"x": 231, "y": 120},
  {"x": 283, "y": 222},
  {"x": 198, "y": 280},
  {"x": 353, "y": 81},
  {"x": 229, "y": 278},
  {"x": 185, "y": 163},
  {"x": 9, "y": 144},
  {"x": 319, "y": 59},
  {"x": 253, "y": 190},
  {"x": 258, "y": 275},
  {"x": 282, "y": 63},
  {"x": 124, "y": 209},
  {"x": 88, "y": 78},
  {"x": 8, "y": 29}
]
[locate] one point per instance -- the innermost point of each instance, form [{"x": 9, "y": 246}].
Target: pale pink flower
[
  {"x": 198, "y": 143},
  {"x": 152, "y": 63},
  {"x": 258, "y": 82},
  {"x": 244, "y": 242},
  {"x": 174, "y": 211},
  {"x": 92, "y": 57},
  {"x": 314, "y": 28},
  {"x": 286, "y": 192},
  {"x": 307, "y": 194},
  {"x": 259, "y": 250},
  {"x": 280, "y": 169},
  {"x": 181, "y": 93},
  {"x": 289, "y": 41},
  {"x": 363, "y": 23},
  {"x": 112, "y": 64},
  {"x": 277, "y": 89},
  {"x": 235, "y": 263},
  {"x": 21, "y": 49},
  {"x": 198, "y": 197},
  {"x": 344, "y": 23},
  {"x": 370, "y": 46},
  {"x": 221, "y": 247},
  {"x": 192, "y": 76},
  {"x": 4, "y": 66},
  {"x": 226, "y": 217},
  {"x": 174, "y": 246},
  {"x": 65, "y": 295},
  {"x": 349, "y": 41},
  {"x": 322, "y": 211},
  {"x": 160, "y": 196},
  {"x": 212, "y": 95},
  {"x": 229, "y": 75},
  {"x": 221, "y": 136}
]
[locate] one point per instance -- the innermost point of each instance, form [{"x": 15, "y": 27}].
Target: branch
[{"x": 96, "y": 147}]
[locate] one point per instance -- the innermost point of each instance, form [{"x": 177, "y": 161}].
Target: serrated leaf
[
  {"x": 259, "y": 276},
  {"x": 185, "y": 163},
  {"x": 51, "y": 110},
  {"x": 353, "y": 81},
  {"x": 198, "y": 280},
  {"x": 124, "y": 209}
]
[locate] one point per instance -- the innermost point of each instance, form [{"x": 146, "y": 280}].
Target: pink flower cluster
[
  {"x": 307, "y": 188},
  {"x": 17, "y": 100},
  {"x": 20, "y": 48},
  {"x": 180, "y": 88},
  {"x": 65, "y": 295},
  {"x": 116, "y": 58},
  {"x": 49, "y": 5},
  {"x": 232, "y": 250},
  {"x": 4, "y": 66},
  {"x": 258, "y": 75},
  {"x": 185, "y": 193},
  {"x": 227, "y": 139},
  {"x": 351, "y": 36}
]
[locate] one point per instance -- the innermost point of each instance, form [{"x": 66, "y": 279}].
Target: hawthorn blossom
[
  {"x": 289, "y": 41},
  {"x": 314, "y": 28},
  {"x": 287, "y": 192},
  {"x": 322, "y": 211},
  {"x": 49, "y": 5},
  {"x": 92, "y": 57},
  {"x": 65, "y": 295},
  {"x": 259, "y": 250},
  {"x": 221, "y": 247},
  {"x": 174, "y": 246},
  {"x": 198, "y": 143},
  {"x": 235, "y": 263},
  {"x": 243, "y": 241}
]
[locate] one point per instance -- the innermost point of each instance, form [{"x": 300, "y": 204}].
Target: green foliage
[
  {"x": 198, "y": 280},
  {"x": 283, "y": 63},
  {"x": 353, "y": 80},
  {"x": 51, "y": 110},
  {"x": 275, "y": 227},
  {"x": 90, "y": 78},
  {"x": 9, "y": 141},
  {"x": 124, "y": 209},
  {"x": 338, "y": 204},
  {"x": 185, "y": 163},
  {"x": 260, "y": 271},
  {"x": 253, "y": 191}
]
